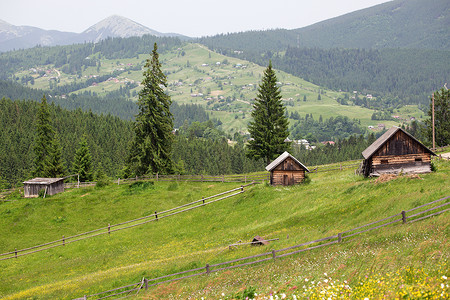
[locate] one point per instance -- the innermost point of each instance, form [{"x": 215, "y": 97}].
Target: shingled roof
[
  {"x": 280, "y": 159},
  {"x": 384, "y": 138}
]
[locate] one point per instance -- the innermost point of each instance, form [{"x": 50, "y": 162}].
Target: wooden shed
[
  {"x": 286, "y": 170},
  {"x": 51, "y": 186},
  {"x": 394, "y": 152}
]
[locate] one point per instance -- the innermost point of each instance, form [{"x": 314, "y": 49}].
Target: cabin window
[
  {"x": 384, "y": 161},
  {"x": 418, "y": 159}
]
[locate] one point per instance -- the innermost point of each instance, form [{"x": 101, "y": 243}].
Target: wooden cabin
[
  {"x": 286, "y": 170},
  {"x": 51, "y": 186},
  {"x": 394, "y": 152}
]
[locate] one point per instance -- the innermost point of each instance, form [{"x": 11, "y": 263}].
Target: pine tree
[
  {"x": 441, "y": 116},
  {"x": 44, "y": 140},
  {"x": 151, "y": 149},
  {"x": 269, "y": 127},
  {"x": 55, "y": 166},
  {"x": 48, "y": 154},
  {"x": 82, "y": 163}
]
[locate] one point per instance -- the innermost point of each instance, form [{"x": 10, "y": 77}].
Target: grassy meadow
[{"x": 415, "y": 256}]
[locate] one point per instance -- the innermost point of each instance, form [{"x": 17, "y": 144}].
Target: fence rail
[
  {"x": 274, "y": 254},
  {"x": 127, "y": 224}
]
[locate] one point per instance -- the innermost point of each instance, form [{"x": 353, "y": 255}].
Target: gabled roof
[
  {"x": 384, "y": 138},
  {"x": 44, "y": 181},
  {"x": 280, "y": 159}
]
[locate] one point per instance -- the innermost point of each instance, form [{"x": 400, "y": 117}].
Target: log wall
[
  {"x": 287, "y": 177},
  {"x": 409, "y": 163}
]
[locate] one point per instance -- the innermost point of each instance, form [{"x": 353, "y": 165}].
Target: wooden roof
[
  {"x": 43, "y": 181},
  {"x": 280, "y": 159},
  {"x": 384, "y": 138}
]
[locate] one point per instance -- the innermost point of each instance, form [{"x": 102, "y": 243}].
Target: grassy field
[
  {"x": 225, "y": 86},
  {"x": 332, "y": 202}
]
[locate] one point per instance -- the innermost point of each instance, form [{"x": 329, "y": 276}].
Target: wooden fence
[
  {"x": 127, "y": 224},
  {"x": 407, "y": 216}
]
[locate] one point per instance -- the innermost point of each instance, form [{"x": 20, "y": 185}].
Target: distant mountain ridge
[
  {"x": 418, "y": 24},
  {"x": 22, "y": 37}
]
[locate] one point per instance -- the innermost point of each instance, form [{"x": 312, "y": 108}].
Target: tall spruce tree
[
  {"x": 82, "y": 163},
  {"x": 151, "y": 149},
  {"x": 441, "y": 116},
  {"x": 48, "y": 154},
  {"x": 43, "y": 141},
  {"x": 55, "y": 166},
  {"x": 269, "y": 127}
]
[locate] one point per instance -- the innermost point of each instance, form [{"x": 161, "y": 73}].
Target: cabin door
[{"x": 285, "y": 180}]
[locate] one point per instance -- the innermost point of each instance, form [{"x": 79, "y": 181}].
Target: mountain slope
[
  {"x": 400, "y": 23},
  {"x": 397, "y": 24},
  {"x": 22, "y": 37},
  {"x": 116, "y": 26}
]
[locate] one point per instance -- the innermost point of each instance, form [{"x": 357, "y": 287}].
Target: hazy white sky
[{"x": 193, "y": 18}]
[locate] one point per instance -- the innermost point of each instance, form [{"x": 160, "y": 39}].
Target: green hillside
[
  {"x": 224, "y": 86},
  {"x": 332, "y": 202},
  {"x": 408, "y": 24}
]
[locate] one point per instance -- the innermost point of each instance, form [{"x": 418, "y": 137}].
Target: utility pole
[{"x": 432, "y": 121}]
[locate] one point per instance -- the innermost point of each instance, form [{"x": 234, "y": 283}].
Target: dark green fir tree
[
  {"x": 44, "y": 140},
  {"x": 55, "y": 166},
  {"x": 441, "y": 118},
  {"x": 82, "y": 164},
  {"x": 151, "y": 149},
  {"x": 269, "y": 127},
  {"x": 48, "y": 154}
]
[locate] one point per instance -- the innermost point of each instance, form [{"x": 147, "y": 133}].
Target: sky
[{"x": 194, "y": 18}]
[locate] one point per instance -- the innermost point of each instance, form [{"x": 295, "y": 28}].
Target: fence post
[
  {"x": 15, "y": 252},
  {"x": 207, "y": 269},
  {"x": 202, "y": 177},
  {"x": 223, "y": 178},
  {"x": 273, "y": 254},
  {"x": 157, "y": 177},
  {"x": 156, "y": 216},
  {"x": 146, "y": 283},
  {"x": 118, "y": 181},
  {"x": 64, "y": 241},
  {"x": 85, "y": 297},
  {"x": 340, "y": 167},
  {"x": 245, "y": 178},
  {"x": 339, "y": 237},
  {"x": 404, "y": 216},
  {"x": 203, "y": 198},
  {"x": 242, "y": 188},
  {"x": 109, "y": 228}
]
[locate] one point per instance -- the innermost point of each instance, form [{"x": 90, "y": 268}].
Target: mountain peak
[{"x": 117, "y": 26}]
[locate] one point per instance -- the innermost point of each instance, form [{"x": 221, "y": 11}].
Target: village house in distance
[
  {"x": 286, "y": 170},
  {"x": 396, "y": 151}
]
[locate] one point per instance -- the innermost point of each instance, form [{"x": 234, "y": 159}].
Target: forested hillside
[
  {"x": 199, "y": 147},
  {"x": 107, "y": 138},
  {"x": 412, "y": 24},
  {"x": 397, "y": 50}
]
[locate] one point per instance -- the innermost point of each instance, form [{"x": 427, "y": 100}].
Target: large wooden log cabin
[
  {"x": 286, "y": 170},
  {"x": 394, "y": 152}
]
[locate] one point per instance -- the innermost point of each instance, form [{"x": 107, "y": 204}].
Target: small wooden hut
[
  {"x": 286, "y": 170},
  {"x": 394, "y": 152},
  {"x": 51, "y": 186}
]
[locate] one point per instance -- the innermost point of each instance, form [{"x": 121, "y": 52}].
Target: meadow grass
[{"x": 332, "y": 202}]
